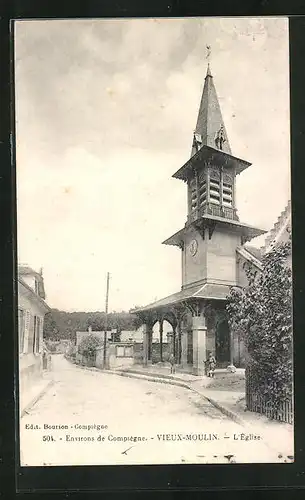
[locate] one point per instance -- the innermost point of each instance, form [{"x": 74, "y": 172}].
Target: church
[{"x": 214, "y": 251}]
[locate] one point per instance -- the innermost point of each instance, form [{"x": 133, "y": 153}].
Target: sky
[{"x": 105, "y": 114}]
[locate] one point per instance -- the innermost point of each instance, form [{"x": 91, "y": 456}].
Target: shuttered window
[
  {"x": 193, "y": 192},
  {"x": 215, "y": 191},
  {"x": 227, "y": 194},
  {"x": 21, "y": 328},
  {"x": 27, "y": 319},
  {"x": 36, "y": 336}
]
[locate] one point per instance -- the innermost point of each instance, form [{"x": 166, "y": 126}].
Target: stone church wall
[
  {"x": 193, "y": 266},
  {"x": 221, "y": 257}
]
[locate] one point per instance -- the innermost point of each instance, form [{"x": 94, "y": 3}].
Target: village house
[
  {"x": 281, "y": 231},
  {"x": 215, "y": 250},
  {"x": 31, "y": 311}
]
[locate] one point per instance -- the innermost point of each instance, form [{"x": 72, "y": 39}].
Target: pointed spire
[
  {"x": 210, "y": 129},
  {"x": 209, "y": 71}
]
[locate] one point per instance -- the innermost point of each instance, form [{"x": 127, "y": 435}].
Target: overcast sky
[{"x": 105, "y": 115}]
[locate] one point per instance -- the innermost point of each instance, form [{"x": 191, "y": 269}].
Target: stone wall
[{"x": 118, "y": 355}]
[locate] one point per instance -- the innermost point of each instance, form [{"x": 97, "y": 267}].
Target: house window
[
  {"x": 128, "y": 352},
  {"x": 26, "y": 334},
  {"x": 36, "y": 337},
  {"x": 124, "y": 351},
  {"x": 36, "y": 286},
  {"x": 120, "y": 351},
  {"x": 38, "y": 334},
  {"x": 21, "y": 328}
]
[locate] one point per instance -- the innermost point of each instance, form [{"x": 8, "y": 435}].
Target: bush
[
  {"x": 71, "y": 351},
  {"x": 262, "y": 314},
  {"x": 88, "y": 345}
]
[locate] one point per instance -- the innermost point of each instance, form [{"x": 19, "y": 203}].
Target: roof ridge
[{"x": 279, "y": 222}]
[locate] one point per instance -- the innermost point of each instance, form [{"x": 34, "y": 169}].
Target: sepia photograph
[{"x": 154, "y": 241}]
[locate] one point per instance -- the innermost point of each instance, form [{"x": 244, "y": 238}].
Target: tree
[
  {"x": 50, "y": 327},
  {"x": 64, "y": 325},
  {"x": 262, "y": 314}
]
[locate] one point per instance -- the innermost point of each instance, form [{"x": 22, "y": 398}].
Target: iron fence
[{"x": 257, "y": 403}]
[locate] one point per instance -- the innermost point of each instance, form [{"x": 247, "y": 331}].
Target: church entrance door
[{"x": 223, "y": 343}]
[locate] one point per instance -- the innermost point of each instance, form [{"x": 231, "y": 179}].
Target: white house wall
[{"x": 30, "y": 363}]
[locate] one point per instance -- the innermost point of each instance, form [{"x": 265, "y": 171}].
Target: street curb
[
  {"x": 36, "y": 398},
  {"x": 152, "y": 379},
  {"x": 158, "y": 375},
  {"x": 230, "y": 414},
  {"x": 233, "y": 416},
  {"x": 137, "y": 376}
]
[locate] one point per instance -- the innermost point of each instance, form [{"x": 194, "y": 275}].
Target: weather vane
[{"x": 208, "y": 55}]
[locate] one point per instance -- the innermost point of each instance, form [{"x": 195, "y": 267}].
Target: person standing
[
  {"x": 172, "y": 363},
  {"x": 211, "y": 365}
]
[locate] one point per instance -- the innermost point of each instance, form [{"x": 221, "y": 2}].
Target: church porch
[{"x": 199, "y": 326}]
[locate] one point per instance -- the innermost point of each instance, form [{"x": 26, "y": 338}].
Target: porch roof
[
  {"x": 248, "y": 232},
  {"x": 210, "y": 291}
]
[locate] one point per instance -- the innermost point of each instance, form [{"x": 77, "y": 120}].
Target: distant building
[
  {"x": 131, "y": 336},
  {"x": 125, "y": 335},
  {"x": 31, "y": 310},
  {"x": 80, "y": 335}
]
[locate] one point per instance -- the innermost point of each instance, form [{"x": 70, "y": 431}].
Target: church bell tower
[{"x": 212, "y": 231}]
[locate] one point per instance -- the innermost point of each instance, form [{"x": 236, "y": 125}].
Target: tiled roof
[
  {"x": 34, "y": 295},
  {"x": 206, "y": 291},
  {"x": 283, "y": 221},
  {"x": 256, "y": 252},
  {"x": 23, "y": 269},
  {"x": 213, "y": 291}
]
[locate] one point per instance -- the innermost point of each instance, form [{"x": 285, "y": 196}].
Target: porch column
[
  {"x": 231, "y": 367},
  {"x": 145, "y": 344},
  {"x": 174, "y": 343},
  {"x": 149, "y": 337},
  {"x": 183, "y": 347},
  {"x": 161, "y": 339},
  {"x": 178, "y": 342},
  {"x": 199, "y": 344}
]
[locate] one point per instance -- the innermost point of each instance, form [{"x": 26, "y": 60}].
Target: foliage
[
  {"x": 88, "y": 345},
  {"x": 64, "y": 325},
  {"x": 262, "y": 314},
  {"x": 51, "y": 346},
  {"x": 50, "y": 327},
  {"x": 71, "y": 351}
]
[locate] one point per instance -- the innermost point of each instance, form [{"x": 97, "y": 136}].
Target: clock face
[{"x": 193, "y": 247}]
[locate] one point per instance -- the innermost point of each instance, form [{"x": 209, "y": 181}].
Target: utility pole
[{"x": 106, "y": 318}]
